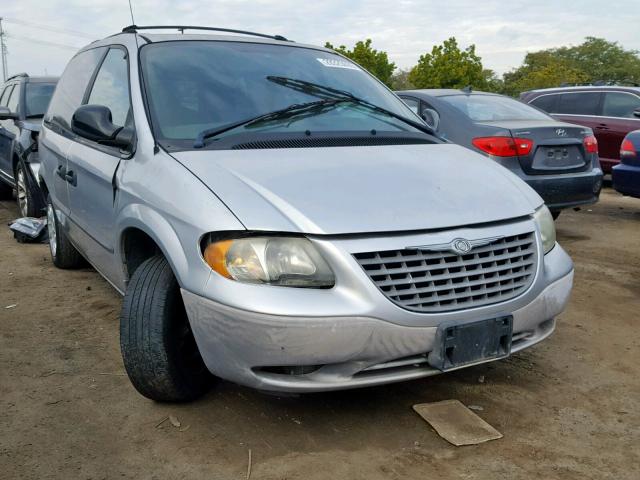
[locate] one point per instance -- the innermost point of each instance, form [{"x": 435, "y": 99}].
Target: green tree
[
  {"x": 594, "y": 60},
  {"x": 400, "y": 80},
  {"x": 602, "y": 60},
  {"x": 375, "y": 61},
  {"x": 542, "y": 70},
  {"x": 449, "y": 67}
]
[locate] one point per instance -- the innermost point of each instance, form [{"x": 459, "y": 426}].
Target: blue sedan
[{"x": 626, "y": 175}]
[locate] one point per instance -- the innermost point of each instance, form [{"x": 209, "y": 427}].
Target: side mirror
[
  {"x": 94, "y": 122},
  {"x": 6, "y": 114},
  {"x": 636, "y": 112},
  {"x": 431, "y": 117}
]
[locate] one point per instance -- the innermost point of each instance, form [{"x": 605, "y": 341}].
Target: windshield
[
  {"x": 203, "y": 85},
  {"x": 37, "y": 98},
  {"x": 486, "y": 108}
]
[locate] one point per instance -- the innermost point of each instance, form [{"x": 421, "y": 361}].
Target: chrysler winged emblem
[
  {"x": 561, "y": 132},
  {"x": 459, "y": 246}
]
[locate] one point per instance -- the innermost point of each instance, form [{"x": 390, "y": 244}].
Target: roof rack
[
  {"x": 23, "y": 74},
  {"x": 182, "y": 28}
]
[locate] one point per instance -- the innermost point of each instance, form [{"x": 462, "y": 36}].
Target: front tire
[
  {"x": 158, "y": 348},
  {"x": 63, "y": 253}
]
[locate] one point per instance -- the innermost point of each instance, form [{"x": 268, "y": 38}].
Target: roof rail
[
  {"x": 182, "y": 28},
  {"x": 23, "y": 74}
]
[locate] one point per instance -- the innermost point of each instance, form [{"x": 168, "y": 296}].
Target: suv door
[
  {"x": 617, "y": 120},
  {"x": 56, "y": 137},
  {"x": 7, "y": 135},
  {"x": 92, "y": 193}
]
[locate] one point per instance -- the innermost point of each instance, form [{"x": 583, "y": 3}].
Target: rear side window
[
  {"x": 111, "y": 86},
  {"x": 545, "y": 102},
  {"x": 72, "y": 86},
  {"x": 579, "y": 103},
  {"x": 619, "y": 104},
  {"x": 38, "y": 96},
  {"x": 14, "y": 99}
]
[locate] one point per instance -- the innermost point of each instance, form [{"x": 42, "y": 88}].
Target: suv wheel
[
  {"x": 158, "y": 348},
  {"x": 29, "y": 202},
  {"x": 63, "y": 254}
]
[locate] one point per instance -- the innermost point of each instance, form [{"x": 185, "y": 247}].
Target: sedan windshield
[
  {"x": 199, "y": 86},
  {"x": 486, "y": 108},
  {"x": 38, "y": 96}
]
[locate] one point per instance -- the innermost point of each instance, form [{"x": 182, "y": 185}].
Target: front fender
[{"x": 155, "y": 225}]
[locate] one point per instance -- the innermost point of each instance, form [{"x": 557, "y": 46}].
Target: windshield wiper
[
  {"x": 337, "y": 94},
  {"x": 283, "y": 113}
]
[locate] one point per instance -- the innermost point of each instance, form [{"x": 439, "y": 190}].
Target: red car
[{"x": 610, "y": 111}]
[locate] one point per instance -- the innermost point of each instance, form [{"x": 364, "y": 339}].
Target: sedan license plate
[{"x": 459, "y": 344}]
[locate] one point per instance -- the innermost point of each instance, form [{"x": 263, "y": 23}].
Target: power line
[
  {"x": 43, "y": 42},
  {"x": 65, "y": 31}
]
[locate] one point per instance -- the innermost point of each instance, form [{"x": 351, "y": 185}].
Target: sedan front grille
[{"x": 429, "y": 282}]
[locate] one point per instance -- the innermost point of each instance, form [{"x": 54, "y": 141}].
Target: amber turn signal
[{"x": 215, "y": 255}]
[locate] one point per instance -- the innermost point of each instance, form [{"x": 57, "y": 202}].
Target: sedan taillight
[
  {"x": 590, "y": 144},
  {"x": 627, "y": 149},
  {"x": 504, "y": 146}
]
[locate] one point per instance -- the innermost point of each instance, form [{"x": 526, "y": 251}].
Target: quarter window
[
  {"x": 5, "y": 95},
  {"x": 14, "y": 99},
  {"x": 618, "y": 104},
  {"x": 545, "y": 102},
  {"x": 72, "y": 86},
  {"x": 412, "y": 104},
  {"x": 579, "y": 103},
  {"x": 111, "y": 86}
]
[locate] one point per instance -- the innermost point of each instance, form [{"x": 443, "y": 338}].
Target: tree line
[{"x": 450, "y": 66}]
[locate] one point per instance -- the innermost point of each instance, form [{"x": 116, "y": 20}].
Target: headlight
[
  {"x": 547, "y": 227},
  {"x": 283, "y": 261}
]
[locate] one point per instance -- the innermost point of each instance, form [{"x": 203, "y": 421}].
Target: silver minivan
[{"x": 275, "y": 216}]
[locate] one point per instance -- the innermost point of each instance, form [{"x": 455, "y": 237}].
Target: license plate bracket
[{"x": 459, "y": 344}]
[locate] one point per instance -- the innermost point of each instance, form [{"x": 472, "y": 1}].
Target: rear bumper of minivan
[{"x": 567, "y": 190}]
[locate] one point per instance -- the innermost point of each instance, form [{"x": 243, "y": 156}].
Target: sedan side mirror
[
  {"x": 6, "y": 114},
  {"x": 94, "y": 122},
  {"x": 431, "y": 117}
]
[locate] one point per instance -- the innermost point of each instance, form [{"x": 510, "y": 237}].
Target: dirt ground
[{"x": 569, "y": 408}]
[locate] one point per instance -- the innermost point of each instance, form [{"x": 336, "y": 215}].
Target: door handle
[
  {"x": 61, "y": 171},
  {"x": 602, "y": 126},
  {"x": 71, "y": 178}
]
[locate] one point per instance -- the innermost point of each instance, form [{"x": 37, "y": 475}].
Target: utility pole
[{"x": 3, "y": 53}]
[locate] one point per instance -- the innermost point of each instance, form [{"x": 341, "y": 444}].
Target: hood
[{"x": 342, "y": 190}]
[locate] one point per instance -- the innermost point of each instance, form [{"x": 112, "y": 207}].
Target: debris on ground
[
  {"x": 174, "y": 421},
  {"x": 13, "y": 305},
  {"x": 456, "y": 423},
  {"x": 29, "y": 230}
]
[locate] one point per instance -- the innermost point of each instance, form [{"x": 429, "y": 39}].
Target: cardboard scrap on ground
[{"x": 456, "y": 423}]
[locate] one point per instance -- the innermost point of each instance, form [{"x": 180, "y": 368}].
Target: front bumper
[{"x": 351, "y": 335}]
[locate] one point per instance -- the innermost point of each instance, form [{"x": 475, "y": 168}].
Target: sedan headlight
[
  {"x": 283, "y": 261},
  {"x": 547, "y": 227}
]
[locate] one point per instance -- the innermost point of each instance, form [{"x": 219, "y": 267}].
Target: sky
[{"x": 43, "y": 35}]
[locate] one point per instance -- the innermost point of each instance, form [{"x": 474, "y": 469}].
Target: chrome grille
[{"x": 427, "y": 281}]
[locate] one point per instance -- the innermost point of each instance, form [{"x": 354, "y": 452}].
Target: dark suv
[
  {"x": 23, "y": 102},
  {"x": 610, "y": 111}
]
